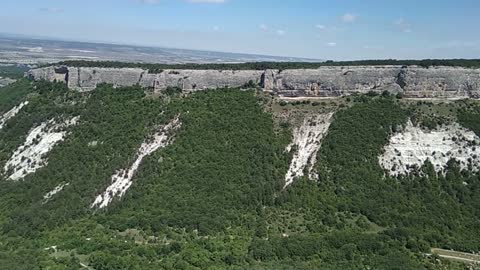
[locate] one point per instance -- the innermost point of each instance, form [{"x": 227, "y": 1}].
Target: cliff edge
[{"x": 412, "y": 81}]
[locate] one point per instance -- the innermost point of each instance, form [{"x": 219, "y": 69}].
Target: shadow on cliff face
[{"x": 62, "y": 70}]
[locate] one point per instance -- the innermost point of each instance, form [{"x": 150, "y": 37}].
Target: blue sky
[{"x": 323, "y": 29}]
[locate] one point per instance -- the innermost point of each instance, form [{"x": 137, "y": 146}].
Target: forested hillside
[
  {"x": 214, "y": 198},
  {"x": 13, "y": 71}
]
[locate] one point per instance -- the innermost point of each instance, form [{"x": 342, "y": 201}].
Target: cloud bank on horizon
[{"x": 323, "y": 29}]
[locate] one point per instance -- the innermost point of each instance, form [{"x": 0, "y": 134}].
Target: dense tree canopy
[
  {"x": 13, "y": 71},
  {"x": 213, "y": 199},
  {"x": 158, "y": 68}
]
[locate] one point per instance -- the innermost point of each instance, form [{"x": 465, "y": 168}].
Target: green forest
[
  {"x": 13, "y": 71},
  {"x": 158, "y": 68},
  {"x": 214, "y": 198}
]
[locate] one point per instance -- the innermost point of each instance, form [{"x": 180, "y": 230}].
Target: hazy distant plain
[{"x": 25, "y": 50}]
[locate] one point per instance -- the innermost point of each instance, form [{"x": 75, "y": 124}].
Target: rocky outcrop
[
  {"x": 412, "y": 81},
  {"x": 442, "y": 82},
  {"x": 334, "y": 81},
  {"x": 409, "y": 149},
  {"x": 49, "y": 74},
  {"x": 86, "y": 78},
  {"x": 307, "y": 140},
  {"x": 201, "y": 79}
]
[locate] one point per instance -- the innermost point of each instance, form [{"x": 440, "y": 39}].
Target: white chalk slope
[
  {"x": 122, "y": 179},
  {"x": 31, "y": 155},
  {"x": 307, "y": 140},
  {"x": 52, "y": 193},
  {"x": 413, "y": 146},
  {"x": 10, "y": 114}
]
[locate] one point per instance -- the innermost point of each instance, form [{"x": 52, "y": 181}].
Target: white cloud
[
  {"x": 331, "y": 44},
  {"x": 281, "y": 32},
  {"x": 263, "y": 27},
  {"x": 320, "y": 27},
  {"x": 349, "y": 18},
  {"x": 150, "y": 2},
  {"x": 216, "y": 28},
  {"x": 51, "y": 9},
  {"x": 207, "y": 1},
  {"x": 403, "y": 25}
]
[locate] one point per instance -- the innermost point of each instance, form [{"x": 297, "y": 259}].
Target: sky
[{"x": 320, "y": 29}]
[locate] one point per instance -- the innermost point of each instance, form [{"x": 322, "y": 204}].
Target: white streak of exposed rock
[
  {"x": 56, "y": 190},
  {"x": 6, "y": 81},
  {"x": 307, "y": 138},
  {"x": 10, "y": 114},
  {"x": 413, "y": 146},
  {"x": 122, "y": 179},
  {"x": 31, "y": 156}
]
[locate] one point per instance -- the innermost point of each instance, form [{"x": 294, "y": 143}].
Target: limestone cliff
[{"x": 418, "y": 82}]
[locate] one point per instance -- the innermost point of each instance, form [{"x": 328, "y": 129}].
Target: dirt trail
[{"x": 455, "y": 255}]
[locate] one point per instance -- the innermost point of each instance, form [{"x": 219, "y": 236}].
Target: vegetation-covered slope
[
  {"x": 213, "y": 199},
  {"x": 13, "y": 71}
]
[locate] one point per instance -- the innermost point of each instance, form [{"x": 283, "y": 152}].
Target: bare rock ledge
[{"x": 412, "y": 81}]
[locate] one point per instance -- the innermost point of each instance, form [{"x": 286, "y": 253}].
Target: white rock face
[
  {"x": 412, "y": 81},
  {"x": 122, "y": 179},
  {"x": 56, "y": 190},
  {"x": 87, "y": 79},
  {"x": 307, "y": 139},
  {"x": 31, "y": 156},
  {"x": 334, "y": 81},
  {"x": 413, "y": 146},
  {"x": 10, "y": 114}
]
